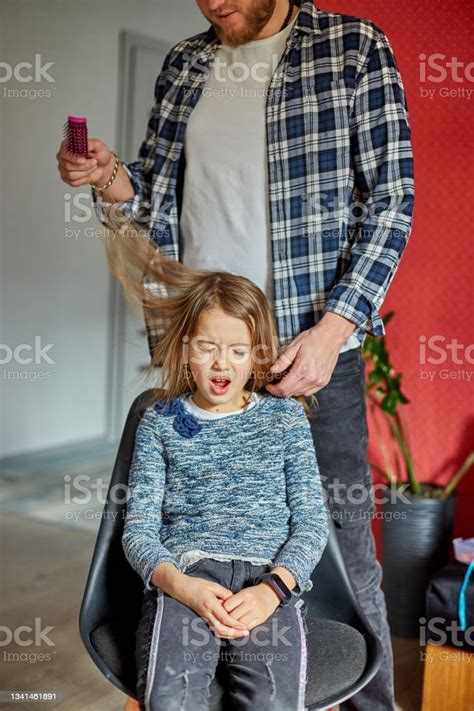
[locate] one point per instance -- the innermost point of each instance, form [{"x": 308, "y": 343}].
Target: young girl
[{"x": 224, "y": 488}]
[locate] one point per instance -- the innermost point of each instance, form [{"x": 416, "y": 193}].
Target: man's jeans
[
  {"x": 177, "y": 653},
  {"x": 340, "y": 434}
]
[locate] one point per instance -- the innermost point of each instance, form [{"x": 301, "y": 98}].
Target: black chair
[{"x": 343, "y": 652}]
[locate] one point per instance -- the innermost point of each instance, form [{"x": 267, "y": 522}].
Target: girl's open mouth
[{"x": 220, "y": 386}]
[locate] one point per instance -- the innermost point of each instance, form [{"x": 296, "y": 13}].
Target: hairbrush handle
[{"x": 75, "y": 134}]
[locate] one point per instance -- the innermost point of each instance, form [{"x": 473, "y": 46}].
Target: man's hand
[
  {"x": 312, "y": 356},
  {"x": 76, "y": 170},
  {"x": 252, "y": 605}
]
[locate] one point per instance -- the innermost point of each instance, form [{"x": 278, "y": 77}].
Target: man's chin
[
  {"x": 234, "y": 38},
  {"x": 230, "y": 41}
]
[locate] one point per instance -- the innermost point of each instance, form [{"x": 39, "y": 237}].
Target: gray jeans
[
  {"x": 340, "y": 436},
  {"x": 177, "y": 653}
]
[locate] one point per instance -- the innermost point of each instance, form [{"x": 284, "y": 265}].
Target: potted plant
[{"x": 417, "y": 516}]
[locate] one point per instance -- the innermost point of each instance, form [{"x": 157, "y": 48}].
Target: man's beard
[{"x": 254, "y": 22}]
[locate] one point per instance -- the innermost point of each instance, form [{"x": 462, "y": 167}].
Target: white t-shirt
[{"x": 225, "y": 216}]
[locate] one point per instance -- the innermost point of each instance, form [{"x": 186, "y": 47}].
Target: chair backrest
[
  {"x": 111, "y": 605},
  {"x": 112, "y": 600}
]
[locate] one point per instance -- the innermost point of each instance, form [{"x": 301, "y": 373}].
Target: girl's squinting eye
[{"x": 237, "y": 353}]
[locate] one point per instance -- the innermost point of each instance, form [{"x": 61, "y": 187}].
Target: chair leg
[{"x": 131, "y": 705}]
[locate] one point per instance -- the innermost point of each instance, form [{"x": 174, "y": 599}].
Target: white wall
[{"x": 53, "y": 288}]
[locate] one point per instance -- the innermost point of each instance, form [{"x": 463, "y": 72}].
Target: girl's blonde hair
[{"x": 172, "y": 297}]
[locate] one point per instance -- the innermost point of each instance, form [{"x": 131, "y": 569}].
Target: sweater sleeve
[
  {"x": 309, "y": 528},
  {"x": 141, "y": 535}
]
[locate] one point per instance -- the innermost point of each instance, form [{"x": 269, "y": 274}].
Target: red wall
[{"x": 432, "y": 291}]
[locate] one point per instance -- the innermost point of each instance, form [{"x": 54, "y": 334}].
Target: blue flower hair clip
[{"x": 184, "y": 422}]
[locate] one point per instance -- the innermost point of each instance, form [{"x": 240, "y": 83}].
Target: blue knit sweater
[{"x": 245, "y": 486}]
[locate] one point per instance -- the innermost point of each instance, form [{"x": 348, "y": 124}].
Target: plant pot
[{"x": 416, "y": 539}]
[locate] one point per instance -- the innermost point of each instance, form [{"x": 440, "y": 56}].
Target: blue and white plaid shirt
[{"x": 340, "y": 167}]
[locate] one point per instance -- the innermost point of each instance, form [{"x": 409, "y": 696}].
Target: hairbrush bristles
[{"x": 75, "y": 133}]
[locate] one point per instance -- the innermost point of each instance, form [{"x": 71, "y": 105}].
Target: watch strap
[{"x": 281, "y": 589}]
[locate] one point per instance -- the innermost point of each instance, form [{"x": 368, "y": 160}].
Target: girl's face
[{"x": 220, "y": 361}]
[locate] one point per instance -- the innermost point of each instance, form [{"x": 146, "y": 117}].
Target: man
[{"x": 279, "y": 148}]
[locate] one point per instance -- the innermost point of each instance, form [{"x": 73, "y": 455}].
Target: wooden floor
[
  {"x": 45, "y": 566},
  {"x": 45, "y": 560}
]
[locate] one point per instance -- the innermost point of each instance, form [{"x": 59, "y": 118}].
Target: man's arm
[
  {"x": 121, "y": 189},
  {"x": 131, "y": 190},
  {"x": 384, "y": 187}
]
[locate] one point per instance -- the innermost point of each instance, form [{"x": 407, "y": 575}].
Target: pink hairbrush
[{"x": 75, "y": 133}]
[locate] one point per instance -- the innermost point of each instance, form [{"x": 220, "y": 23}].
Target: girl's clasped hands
[{"x": 229, "y": 614}]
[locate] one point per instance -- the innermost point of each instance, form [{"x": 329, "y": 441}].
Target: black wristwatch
[{"x": 282, "y": 590}]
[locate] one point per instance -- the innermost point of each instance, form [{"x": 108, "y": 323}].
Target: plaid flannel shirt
[{"x": 339, "y": 160}]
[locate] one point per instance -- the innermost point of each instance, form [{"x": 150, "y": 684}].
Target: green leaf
[{"x": 387, "y": 317}]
